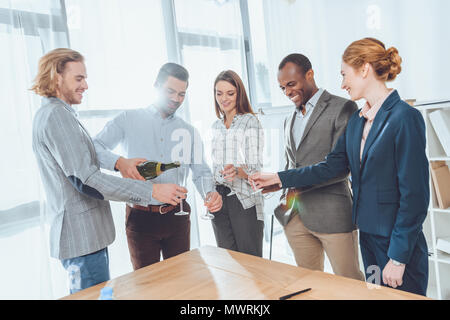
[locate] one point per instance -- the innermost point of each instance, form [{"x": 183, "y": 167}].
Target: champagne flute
[
  {"x": 231, "y": 191},
  {"x": 207, "y": 188},
  {"x": 182, "y": 174},
  {"x": 249, "y": 171}
]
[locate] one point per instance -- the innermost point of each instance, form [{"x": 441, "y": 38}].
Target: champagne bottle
[{"x": 151, "y": 169}]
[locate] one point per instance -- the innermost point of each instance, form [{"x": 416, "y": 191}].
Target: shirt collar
[
  {"x": 311, "y": 102},
  {"x": 235, "y": 118},
  {"x": 46, "y": 100},
  {"x": 369, "y": 112},
  {"x": 315, "y": 98},
  {"x": 152, "y": 108}
]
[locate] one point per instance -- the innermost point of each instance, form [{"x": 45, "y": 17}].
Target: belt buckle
[{"x": 163, "y": 206}]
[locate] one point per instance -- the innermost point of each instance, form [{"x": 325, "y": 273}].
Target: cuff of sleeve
[
  {"x": 112, "y": 162},
  {"x": 396, "y": 260},
  {"x": 402, "y": 257},
  {"x": 148, "y": 197},
  {"x": 282, "y": 176}
]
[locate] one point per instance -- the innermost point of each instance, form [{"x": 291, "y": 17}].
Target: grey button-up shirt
[
  {"x": 76, "y": 190},
  {"x": 144, "y": 133}
]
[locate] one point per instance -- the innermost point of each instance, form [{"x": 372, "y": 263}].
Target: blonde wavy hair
[
  {"x": 53, "y": 63},
  {"x": 386, "y": 63}
]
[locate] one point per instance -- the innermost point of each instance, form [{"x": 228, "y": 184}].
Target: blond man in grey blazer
[
  {"x": 77, "y": 192},
  {"x": 318, "y": 219}
]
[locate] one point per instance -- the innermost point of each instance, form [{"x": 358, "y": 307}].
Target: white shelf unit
[{"x": 437, "y": 223}]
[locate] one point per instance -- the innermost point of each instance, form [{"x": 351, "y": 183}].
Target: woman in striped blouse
[{"x": 237, "y": 150}]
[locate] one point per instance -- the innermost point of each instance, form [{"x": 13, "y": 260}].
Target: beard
[
  {"x": 71, "y": 97},
  {"x": 168, "y": 107}
]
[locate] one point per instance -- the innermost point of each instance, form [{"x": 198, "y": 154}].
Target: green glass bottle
[{"x": 151, "y": 169}]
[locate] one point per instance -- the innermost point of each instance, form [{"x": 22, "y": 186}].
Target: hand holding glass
[
  {"x": 223, "y": 169},
  {"x": 182, "y": 174},
  {"x": 248, "y": 170},
  {"x": 207, "y": 188}
]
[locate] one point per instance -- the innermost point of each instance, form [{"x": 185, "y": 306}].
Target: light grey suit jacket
[
  {"x": 76, "y": 190},
  {"x": 325, "y": 208}
]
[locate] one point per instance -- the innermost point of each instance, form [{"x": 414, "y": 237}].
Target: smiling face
[
  {"x": 226, "y": 96},
  {"x": 353, "y": 81},
  {"x": 296, "y": 85},
  {"x": 72, "y": 83},
  {"x": 171, "y": 95}
]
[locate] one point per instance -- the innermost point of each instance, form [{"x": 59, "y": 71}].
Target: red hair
[{"x": 386, "y": 63}]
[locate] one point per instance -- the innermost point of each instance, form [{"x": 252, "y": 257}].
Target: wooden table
[{"x": 211, "y": 273}]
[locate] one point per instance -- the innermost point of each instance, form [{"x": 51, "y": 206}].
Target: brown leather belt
[{"x": 162, "y": 209}]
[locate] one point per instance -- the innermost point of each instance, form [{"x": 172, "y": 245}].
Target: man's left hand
[{"x": 393, "y": 275}]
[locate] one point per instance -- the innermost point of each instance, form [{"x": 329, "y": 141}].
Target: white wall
[{"x": 322, "y": 29}]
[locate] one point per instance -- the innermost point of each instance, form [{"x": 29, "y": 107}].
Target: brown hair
[
  {"x": 242, "y": 103},
  {"x": 54, "y": 62},
  {"x": 386, "y": 63},
  {"x": 171, "y": 69}
]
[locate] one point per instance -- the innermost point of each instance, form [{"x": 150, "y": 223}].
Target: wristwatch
[{"x": 396, "y": 263}]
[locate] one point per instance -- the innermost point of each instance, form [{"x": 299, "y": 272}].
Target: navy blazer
[{"x": 390, "y": 184}]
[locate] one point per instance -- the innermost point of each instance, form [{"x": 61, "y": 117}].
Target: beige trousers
[{"x": 309, "y": 246}]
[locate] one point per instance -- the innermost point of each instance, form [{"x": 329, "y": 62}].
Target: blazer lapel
[
  {"x": 378, "y": 123},
  {"x": 291, "y": 143},
  {"x": 356, "y": 145},
  {"x": 317, "y": 111}
]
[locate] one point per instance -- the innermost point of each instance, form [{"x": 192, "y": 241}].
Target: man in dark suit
[{"x": 316, "y": 220}]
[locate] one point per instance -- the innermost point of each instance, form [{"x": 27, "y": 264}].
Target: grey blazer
[
  {"x": 76, "y": 190},
  {"x": 325, "y": 208}
]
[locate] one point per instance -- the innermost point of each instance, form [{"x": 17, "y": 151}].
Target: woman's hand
[
  {"x": 393, "y": 275},
  {"x": 263, "y": 179},
  {"x": 230, "y": 172}
]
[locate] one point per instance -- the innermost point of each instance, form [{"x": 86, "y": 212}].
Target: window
[
  {"x": 124, "y": 46},
  {"x": 27, "y": 30},
  {"x": 322, "y": 30}
]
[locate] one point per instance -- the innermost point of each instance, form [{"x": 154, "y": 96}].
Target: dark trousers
[
  {"x": 236, "y": 228},
  {"x": 374, "y": 250},
  {"x": 150, "y": 233}
]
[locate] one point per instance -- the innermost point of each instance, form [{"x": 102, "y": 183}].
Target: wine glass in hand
[
  {"x": 182, "y": 174},
  {"x": 207, "y": 188},
  {"x": 222, "y": 170},
  {"x": 247, "y": 169},
  {"x": 250, "y": 171},
  {"x": 267, "y": 191}
]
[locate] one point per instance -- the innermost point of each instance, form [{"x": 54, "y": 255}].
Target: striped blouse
[{"x": 241, "y": 144}]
